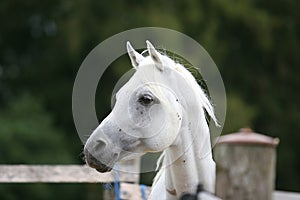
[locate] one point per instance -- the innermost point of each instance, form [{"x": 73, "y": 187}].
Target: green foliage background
[{"x": 42, "y": 44}]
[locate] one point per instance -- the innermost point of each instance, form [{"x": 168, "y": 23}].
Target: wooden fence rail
[
  {"x": 59, "y": 174},
  {"x": 84, "y": 174}
]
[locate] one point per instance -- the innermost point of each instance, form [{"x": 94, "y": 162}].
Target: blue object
[
  {"x": 117, "y": 183},
  {"x": 143, "y": 189}
]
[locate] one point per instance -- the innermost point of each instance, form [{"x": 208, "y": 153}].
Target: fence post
[{"x": 245, "y": 165}]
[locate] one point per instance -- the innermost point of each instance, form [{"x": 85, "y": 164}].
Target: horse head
[{"x": 146, "y": 117}]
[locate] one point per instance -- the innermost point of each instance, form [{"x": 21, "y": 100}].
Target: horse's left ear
[
  {"x": 155, "y": 55},
  {"x": 134, "y": 56}
]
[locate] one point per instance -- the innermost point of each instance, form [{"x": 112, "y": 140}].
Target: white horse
[{"x": 161, "y": 108}]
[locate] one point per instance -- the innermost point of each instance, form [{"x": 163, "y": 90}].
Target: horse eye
[{"x": 145, "y": 99}]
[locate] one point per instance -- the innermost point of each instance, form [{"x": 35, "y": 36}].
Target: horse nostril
[
  {"x": 100, "y": 144},
  {"x": 94, "y": 149},
  {"x": 116, "y": 155}
]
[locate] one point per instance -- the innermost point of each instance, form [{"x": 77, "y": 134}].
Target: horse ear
[
  {"x": 155, "y": 55},
  {"x": 134, "y": 56}
]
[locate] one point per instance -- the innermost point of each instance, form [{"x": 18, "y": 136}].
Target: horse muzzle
[{"x": 95, "y": 163}]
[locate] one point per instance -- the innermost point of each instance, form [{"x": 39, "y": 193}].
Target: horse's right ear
[
  {"x": 155, "y": 55},
  {"x": 134, "y": 56}
]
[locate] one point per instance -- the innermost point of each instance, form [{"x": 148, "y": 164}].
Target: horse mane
[
  {"x": 192, "y": 82},
  {"x": 202, "y": 98}
]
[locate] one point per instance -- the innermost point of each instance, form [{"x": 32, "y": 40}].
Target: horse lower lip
[{"x": 102, "y": 170}]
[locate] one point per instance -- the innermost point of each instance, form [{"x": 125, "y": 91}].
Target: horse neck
[{"x": 193, "y": 158}]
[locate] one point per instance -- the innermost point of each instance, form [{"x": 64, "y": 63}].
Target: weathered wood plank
[{"x": 58, "y": 174}]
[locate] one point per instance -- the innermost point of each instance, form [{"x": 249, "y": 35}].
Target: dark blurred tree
[{"x": 28, "y": 135}]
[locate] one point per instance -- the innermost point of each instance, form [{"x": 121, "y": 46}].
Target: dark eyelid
[{"x": 146, "y": 98}]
